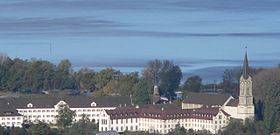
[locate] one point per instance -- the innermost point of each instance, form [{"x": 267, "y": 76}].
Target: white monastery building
[
  {"x": 199, "y": 111},
  {"x": 15, "y": 111}
]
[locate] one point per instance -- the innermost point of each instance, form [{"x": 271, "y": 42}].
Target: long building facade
[
  {"x": 15, "y": 111},
  {"x": 156, "y": 119}
]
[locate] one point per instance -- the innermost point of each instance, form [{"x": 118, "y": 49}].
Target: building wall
[
  {"x": 49, "y": 115},
  {"x": 119, "y": 125},
  {"x": 162, "y": 126},
  {"x": 246, "y": 112},
  {"x": 232, "y": 110},
  {"x": 10, "y": 121}
]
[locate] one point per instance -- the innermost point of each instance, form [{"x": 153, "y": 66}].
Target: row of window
[
  {"x": 180, "y": 120},
  {"x": 39, "y": 116},
  {"x": 52, "y": 110},
  {"x": 123, "y": 121},
  {"x": 25, "y": 111},
  {"x": 13, "y": 118},
  {"x": 121, "y": 128},
  {"x": 10, "y": 123}
]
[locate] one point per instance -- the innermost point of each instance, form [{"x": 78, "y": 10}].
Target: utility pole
[{"x": 51, "y": 49}]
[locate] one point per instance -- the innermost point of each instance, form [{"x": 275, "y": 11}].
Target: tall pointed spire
[{"x": 245, "y": 71}]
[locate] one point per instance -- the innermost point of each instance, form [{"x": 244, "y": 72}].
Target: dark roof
[
  {"x": 72, "y": 101},
  {"x": 163, "y": 113},
  {"x": 206, "y": 99},
  {"x": 7, "y": 109},
  {"x": 245, "y": 69},
  {"x": 116, "y": 101},
  {"x": 233, "y": 102}
]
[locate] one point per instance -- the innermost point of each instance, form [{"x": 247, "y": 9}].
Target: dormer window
[
  {"x": 29, "y": 105},
  {"x": 93, "y": 104}
]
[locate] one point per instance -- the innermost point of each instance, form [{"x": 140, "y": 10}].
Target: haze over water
[{"x": 196, "y": 34}]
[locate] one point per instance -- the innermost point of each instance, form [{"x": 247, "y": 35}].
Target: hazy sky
[{"x": 118, "y": 30}]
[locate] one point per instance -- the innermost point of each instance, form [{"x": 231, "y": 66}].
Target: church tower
[
  {"x": 246, "y": 106},
  {"x": 156, "y": 96}
]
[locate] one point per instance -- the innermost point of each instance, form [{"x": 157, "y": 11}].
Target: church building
[{"x": 240, "y": 108}]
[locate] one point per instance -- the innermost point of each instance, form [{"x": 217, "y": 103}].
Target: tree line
[
  {"x": 39, "y": 75},
  {"x": 17, "y": 75}
]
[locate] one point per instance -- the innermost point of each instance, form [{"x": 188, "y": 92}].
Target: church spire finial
[{"x": 245, "y": 70}]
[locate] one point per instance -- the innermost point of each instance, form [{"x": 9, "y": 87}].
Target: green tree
[
  {"x": 237, "y": 127},
  {"x": 2, "y": 130},
  {"x": 170, "y": 78},
  {"x": 192, "y": 84},
  {"x": 230, "y": 82},
  {"x": 105, "y": 76},
  {"x": 123, "y": 85},
  {"x": 166, "y": 74},
  {"x": 40, "y": 128},
  {"x": 65, "y": 117},
  {"x": 64, "y": 76},
  {"x": 86, "y": 79},
  {"x": 5, "y": 64},
  {"x": 127, "y": 82},
  {"x": 141, "y": 94},
  {"x": 15, "y": 75},
  {"x": 266, "y": 93},
  {"x": 178, "y": 131},
  {"x": 83, "y": 127}
]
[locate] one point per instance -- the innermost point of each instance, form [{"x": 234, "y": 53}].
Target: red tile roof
[{"x": 163, "y": 113}]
